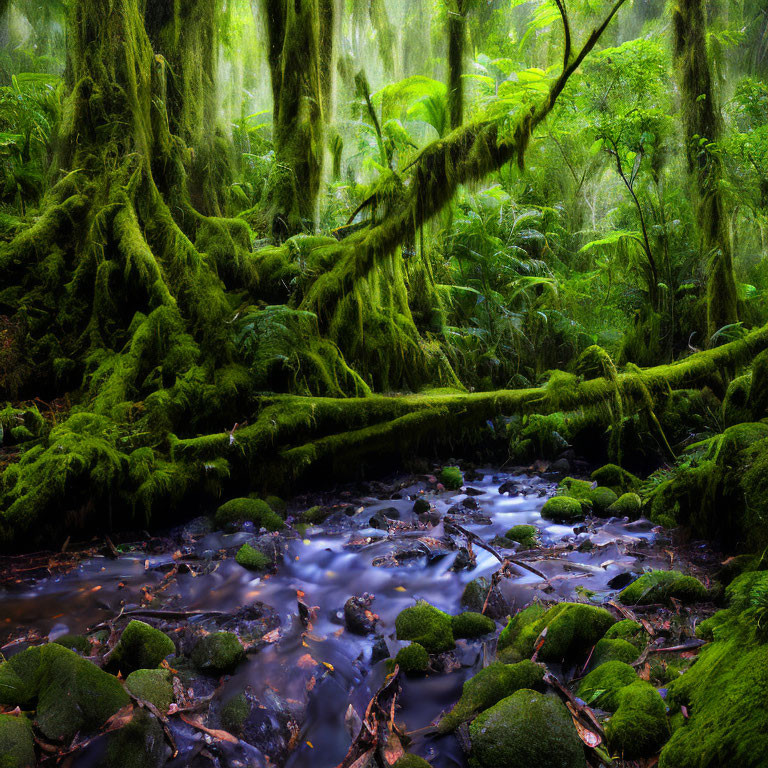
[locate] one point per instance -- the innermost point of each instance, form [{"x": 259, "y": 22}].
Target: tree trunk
[
  {"x": 457, "y": 35},
  {"x": 702, "y": 123},
  {"x": 294, "y": 39}
]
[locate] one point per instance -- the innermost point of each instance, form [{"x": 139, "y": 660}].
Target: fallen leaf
[{"x": 214, "y": 732}]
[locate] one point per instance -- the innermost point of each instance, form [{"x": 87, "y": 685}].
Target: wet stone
[{"x": 358, "y": 617}]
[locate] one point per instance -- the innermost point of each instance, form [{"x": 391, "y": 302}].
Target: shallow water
[{"x": 312, "y": 674}]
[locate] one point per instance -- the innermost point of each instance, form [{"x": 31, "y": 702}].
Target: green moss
[
  {"x": 724, "y": 691},
  {"x": 255, "y": 511},
  {"x": 251, "y": 558},
  {"x": 628, "y": 630},
  {"x": 277, "y": 504},
  {"x": 639, "y": 726},
  {"x": 601, "y": 686},
  {"x": 519, "y": 622},
  {"x": 525, "y": 535},
  {"x": 451, "y": 478},
  {"x": 140, "y": 647},
  {"x": 421, "y": 505},
  {"x": 525, "y": 730},
  {"x": 576, "y": 489},
  {"x": 17, "y": 742},
  {"x": 489, "y": 686},
  {"x": 562, "y": 508},
  {"x": 627, "y": 505},
  {"x": 614, "y": 649},
  {"x": 572, "y": 630},
  {"x": 75, "y": 643},
  {"x": 235, "y": 712},
  {"x": 411, "y": 761},
  {"x": 615, "y": 477},
  {"x": 140, "y": 744},
  {"x": 153, "y": 685},
  {"x": 424, "y": 624},
  {"x": 70, "y": 694},
  {"x": 413, "y": 659},
  {"x": 470, "y": 624},
  {"x": 602, "y": 498},
  {"x": 218, "y": 653},
  {"x": 315, "y": 515},
  {"x": 661, "y": 586}
]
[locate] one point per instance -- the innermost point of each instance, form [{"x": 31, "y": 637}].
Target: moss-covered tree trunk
[
  {"x": 702, "y": 120},
  {"x": 294, "y": 53},
  {"x": 184, "y": 34},
  {"x": 457, "y": 36}
]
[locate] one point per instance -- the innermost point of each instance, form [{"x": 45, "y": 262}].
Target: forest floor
[{"x": 316, "y": 657}]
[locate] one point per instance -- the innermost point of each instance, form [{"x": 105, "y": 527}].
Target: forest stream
[{"x": 312, "y": 667}]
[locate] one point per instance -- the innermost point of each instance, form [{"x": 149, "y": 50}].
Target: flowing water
[{"x": 308, "y": 668}]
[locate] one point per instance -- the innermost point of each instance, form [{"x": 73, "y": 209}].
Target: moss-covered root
[
  {"x": 17, "y": 742},
  {"x": 489, "y": 686},
  {"x": 600, "y": 688},
  {"x": 525, "y": 730},
  {"x": 661, "y": 587},
  {"x": 572, "y": 629},
  {"x": 639, "y": 728},
  {"x": 426, "y": 625},
  {"x": 140, "y": 647}
]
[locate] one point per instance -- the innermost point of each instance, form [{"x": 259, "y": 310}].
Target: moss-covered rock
[
  {"x": 255, "y": 511},
  {"x": 601, "y": 686},
  {"x": 421, "y": 505},
  {"x": 613, "y": 476},
  {"x": 140, "y": 647},
  {"x": 520, "y": 621},
  {"x": 140, "y": 744},
  {"x": 661, "y": 586},
  {"x": 424, "y": 624},
  {"x": 152, "y": 685},
  {"x": 218, "y": 653},
  {"x": 525, "y": 535},
  {"x": 315, "y": 515},
  {"x": 75, "y": 643},
  {"x": 602, "y": 499},
  {"x": 235, "y": 712},
  {"x": 572, "y": 629},
  {"x": 576, "y": 489},
  {"x": 627, "y": 505},
  {"x": 639, "y": 727},
  {"x": 614, "y": 649},
  {"x": 470, "y": 624},
  {"x": 70, "y": 693},
  {"x": 451, "y": 478},
  {"x": 489, "y": 686},
  {"x": 525, "y": 730},
  {"x": 17, "y": 742},
  {"x": 413, "y": 659},
  {"x": 276, "y": 504},
  {"x": 411, "y": 761},
  {"x": 252, "y": 558},
  {"x": 724, "y": 691},
  {"x": 562, "y": 508},
  {"x": 631, "y": 631}
]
